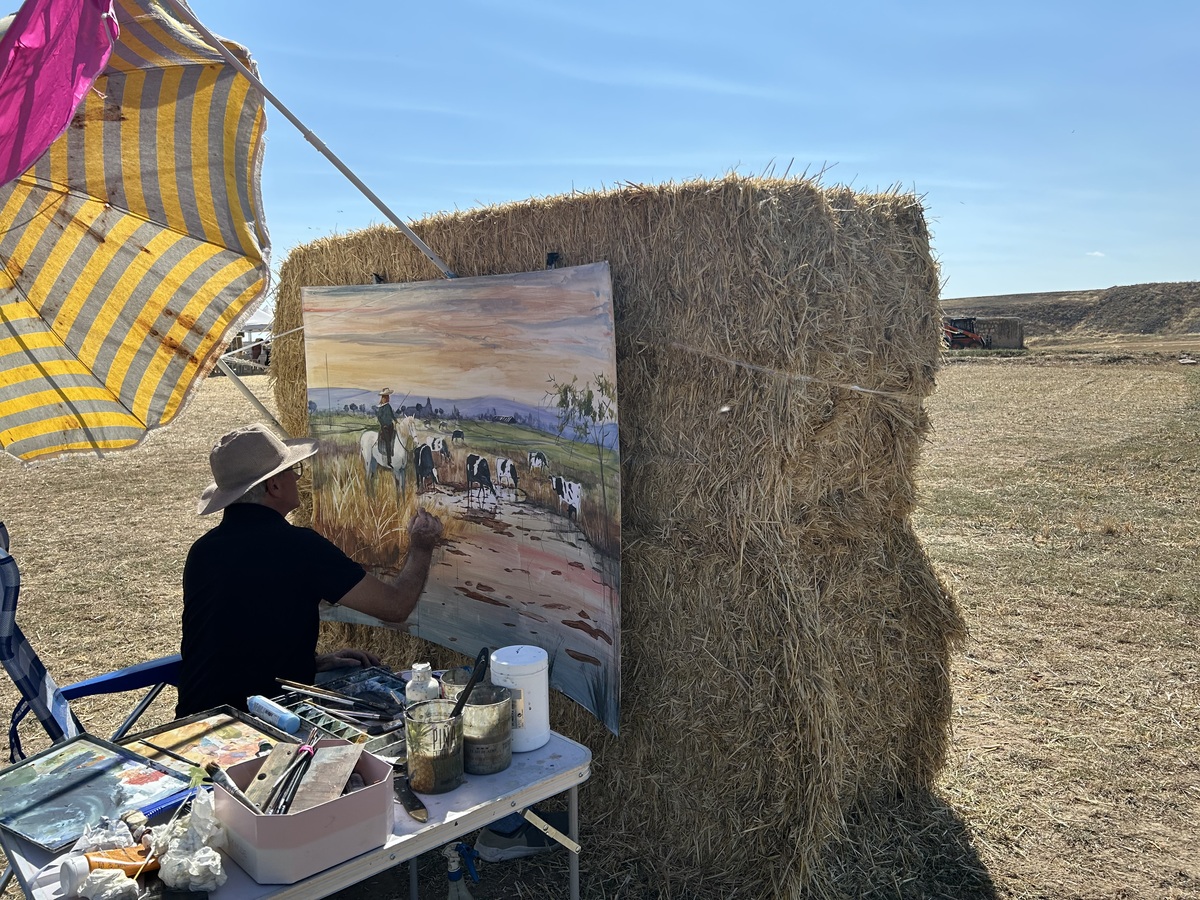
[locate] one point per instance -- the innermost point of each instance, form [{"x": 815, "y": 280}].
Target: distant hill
[{"x": 1159, "y": 308}]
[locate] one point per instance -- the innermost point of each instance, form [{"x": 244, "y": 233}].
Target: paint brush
[
  {"x": 324, "y": 693},
  {"x": 172, "y": 754},
  {"x": 215, "y": 772},
  {"x": 355, "y": 714},
  {"x": 307, "y": 691}
]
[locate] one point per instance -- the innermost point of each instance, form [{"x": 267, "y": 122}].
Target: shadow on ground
[{"x": 914, "y": 847}]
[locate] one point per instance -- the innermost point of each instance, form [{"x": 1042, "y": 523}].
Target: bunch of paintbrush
[
  {"x": 340, "y": 700},
  {"x": 283, "y": 792}
]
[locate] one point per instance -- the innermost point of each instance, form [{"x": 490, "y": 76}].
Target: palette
[
  {"x": 49, "y": 798},
  {"x": 223, "y": 735}
]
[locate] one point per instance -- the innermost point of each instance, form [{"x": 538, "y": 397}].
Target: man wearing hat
[
  {"x": 252, "y": 586},
  {"x": 387, "y": 424}
]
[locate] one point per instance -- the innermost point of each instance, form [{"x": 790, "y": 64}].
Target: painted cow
[
  {"x": 426, "y": 470},
  {"x": 506, "y": 473},
  {"x": 537, "y": 459},
  {"x": 569, "y": 493},
  {"x": 478, "y": 472}
]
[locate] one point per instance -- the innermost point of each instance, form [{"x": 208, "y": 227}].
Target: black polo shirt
[{"x": 251, "y": 590}]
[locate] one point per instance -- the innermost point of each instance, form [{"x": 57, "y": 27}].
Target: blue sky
[{"x": 1056, "y": 144}]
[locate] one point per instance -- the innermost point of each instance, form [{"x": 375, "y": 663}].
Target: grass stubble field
[{"x": 1060, "y": 498}]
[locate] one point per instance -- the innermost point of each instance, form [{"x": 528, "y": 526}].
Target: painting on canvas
[{"x": 491, "y": 402}]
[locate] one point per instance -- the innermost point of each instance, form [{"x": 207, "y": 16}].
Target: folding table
[{"x": 560, "y": 766}]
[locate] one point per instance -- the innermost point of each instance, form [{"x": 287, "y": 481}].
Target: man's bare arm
[{"x": 395, "y": 602}]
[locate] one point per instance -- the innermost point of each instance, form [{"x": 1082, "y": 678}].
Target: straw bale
[{"x": 785, "y": 641}]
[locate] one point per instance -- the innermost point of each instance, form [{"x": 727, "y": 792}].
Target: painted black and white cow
[
  {"x": 569, "y": 493},
  {"x": 458, "y": 436},
  {"x": 506, "y": 473},
  {"x": 537, "y": 460},
  {"x": 440, "y": 446},
  {"x": 426, "y": 470},
  {"x": 478, "y": 472}
]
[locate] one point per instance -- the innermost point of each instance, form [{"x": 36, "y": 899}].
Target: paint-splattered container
[{"x": 487, "y": 730}]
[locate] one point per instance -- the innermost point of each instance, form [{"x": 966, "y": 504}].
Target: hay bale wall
[
  {"x": 785, "y": 642},
  {"x": 1006, "y": 332}
]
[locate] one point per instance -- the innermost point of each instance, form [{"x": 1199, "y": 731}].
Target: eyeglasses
[{"x": 298, "y": 468}]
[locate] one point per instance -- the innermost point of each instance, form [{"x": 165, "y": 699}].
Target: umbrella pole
[
  {"x": 233, "y": 376},
  {"x": 217, "y": 45}
]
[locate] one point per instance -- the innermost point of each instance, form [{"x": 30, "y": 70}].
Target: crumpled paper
[
  {"x": 109, "y": 884},
  {"x": 187, "y": 848},
  {"x": 107, "y": 834}
]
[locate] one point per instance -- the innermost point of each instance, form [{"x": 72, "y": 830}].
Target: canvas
[{"x": 504, "y": 406}]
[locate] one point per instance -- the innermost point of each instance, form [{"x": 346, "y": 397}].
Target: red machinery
[{"x": 960, "y": 334}]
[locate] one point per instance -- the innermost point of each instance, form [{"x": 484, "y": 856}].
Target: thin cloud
[{"x": 1094, "y": 253}]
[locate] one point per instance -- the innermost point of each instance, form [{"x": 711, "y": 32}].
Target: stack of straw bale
[{"x": 785, "y": 641}]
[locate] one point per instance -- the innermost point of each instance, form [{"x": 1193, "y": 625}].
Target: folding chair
[{"x": 40, "y": 694}]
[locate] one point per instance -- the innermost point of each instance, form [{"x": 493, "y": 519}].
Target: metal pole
[
  {"x": 573, "y": 831},
  {"x": 224, "y": 367},
  {"x": 309, "y": 136}
]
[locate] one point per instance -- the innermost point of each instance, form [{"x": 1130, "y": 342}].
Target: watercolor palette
[{"x": 223, "y": 735}]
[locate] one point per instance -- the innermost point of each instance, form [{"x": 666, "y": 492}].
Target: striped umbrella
[{"x": 132, "y": 248}]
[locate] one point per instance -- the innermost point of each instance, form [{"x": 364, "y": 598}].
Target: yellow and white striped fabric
[{"x": 133, "y": 246}]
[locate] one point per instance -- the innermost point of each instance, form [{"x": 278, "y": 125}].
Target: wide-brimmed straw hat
[
  {"x": 386, "y": 392},
  {"x": 243, "y": 458}
]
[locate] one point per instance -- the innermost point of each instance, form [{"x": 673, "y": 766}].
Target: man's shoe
[{"x": 514, "y": 838}]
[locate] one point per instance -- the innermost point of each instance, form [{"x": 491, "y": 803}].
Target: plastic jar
[
  {"x": 422, "y": 686},
  {"x": 524, "y": 670}
]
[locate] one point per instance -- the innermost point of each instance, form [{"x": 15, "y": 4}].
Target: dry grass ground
[
  {"x": 1060, "y": 498},
  {"x": 1062, "y": 501}
]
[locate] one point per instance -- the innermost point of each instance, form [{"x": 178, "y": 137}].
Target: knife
[{"x": 411, "y": 802}]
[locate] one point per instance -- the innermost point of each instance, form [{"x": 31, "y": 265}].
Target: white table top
[{"x": 557, "y": 767}]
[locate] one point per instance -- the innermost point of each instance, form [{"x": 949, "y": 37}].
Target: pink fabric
[{"x": 50, "y": 56}]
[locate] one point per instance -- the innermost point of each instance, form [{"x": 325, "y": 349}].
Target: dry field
[
  {"x": 1060, "y": 497},
  {"x": 1062, "y": 500}
]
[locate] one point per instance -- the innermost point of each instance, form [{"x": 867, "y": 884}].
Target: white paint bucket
[{"x": 524, "y": 670}]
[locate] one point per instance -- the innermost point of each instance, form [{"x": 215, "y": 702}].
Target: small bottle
[
  {"x": 422, "y": 686},
  {"x": 270, "y": 711}
]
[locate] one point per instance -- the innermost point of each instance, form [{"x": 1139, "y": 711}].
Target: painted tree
[{"x": 587, "y": 410}]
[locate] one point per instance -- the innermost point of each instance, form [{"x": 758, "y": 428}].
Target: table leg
[
  {"x": 573, "y": 831},
  {"x": 414, "y": 888}
]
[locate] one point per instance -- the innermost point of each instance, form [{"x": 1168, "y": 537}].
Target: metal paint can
[
  {"x": 454, "y": 680},
  {"x": 525, "y": 670},
  {"x": 487, "y": 730}
]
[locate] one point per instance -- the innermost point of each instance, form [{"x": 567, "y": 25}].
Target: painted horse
[{"x": 373, "y": 458}]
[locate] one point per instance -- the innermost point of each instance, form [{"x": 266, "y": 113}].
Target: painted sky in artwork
[{"x": 499, "y": 332}]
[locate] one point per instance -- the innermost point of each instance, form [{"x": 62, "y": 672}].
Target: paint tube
[
  {"x": 272, "y": 712},
  {"x": 130, "y": 860}
]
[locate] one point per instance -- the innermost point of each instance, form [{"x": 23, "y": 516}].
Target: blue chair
[{"x": 40, "y": 694}]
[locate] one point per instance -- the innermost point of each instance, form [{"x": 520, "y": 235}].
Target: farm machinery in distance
[{"x": 959, "y": 333}]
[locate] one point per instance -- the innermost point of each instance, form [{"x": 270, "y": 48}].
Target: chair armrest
[{"x": 131, "y": 678}]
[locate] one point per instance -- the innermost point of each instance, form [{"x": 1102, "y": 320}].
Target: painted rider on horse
[{"x": 387, "y": 424}]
